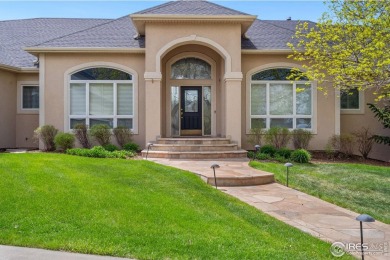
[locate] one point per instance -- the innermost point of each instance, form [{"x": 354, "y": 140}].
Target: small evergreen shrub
[
  {"x": 251, "y": 154},
  {"x": 283, "y": 152},
  {"x": 280, "y": 158},
  {"x": 301, "y": 138},
  {"x": 268, "y": 149},
  {"x": 110, "y": 147},
  {"x": 80, "y": 131},
  {"x": 99, "y": 152},
  {"x": 278, "y": 137},
  {"x": 64, "y": 141},
  {"x": 131, "y": 147},
  {"x": 301, "y": 156},
  {"x": 263, "y": 156},
  {"x": 46, "y": 134},
  {"x": 101, "y": 133},
  {"x": 123, "y": 135}
]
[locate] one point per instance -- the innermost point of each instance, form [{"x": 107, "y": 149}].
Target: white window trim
[
  {"x": 356, "y": 111},
  {"x": 19, "y": 95},
  {"x": 134, "y": 81},
  {"x": 249, "y": 82}
]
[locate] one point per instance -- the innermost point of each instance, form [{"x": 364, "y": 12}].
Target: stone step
[
  {"x": 226, "y": 181},
  {"x": 193, "y": 147},
  {"x": 196, "y": 154},
  {"x": 194, "y": 140}
]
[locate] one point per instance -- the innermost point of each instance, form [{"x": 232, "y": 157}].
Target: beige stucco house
[{"x": 183, "y": 68}]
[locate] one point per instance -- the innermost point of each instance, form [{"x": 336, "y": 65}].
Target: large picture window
[
  {"x": 276, "y": 101},
  {"x": 101, "y": 96}
]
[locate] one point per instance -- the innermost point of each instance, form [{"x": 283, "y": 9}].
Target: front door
[{"x": 191, "y": 111}]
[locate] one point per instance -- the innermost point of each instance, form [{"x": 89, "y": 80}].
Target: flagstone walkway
[{"x": 307, "y": 213}]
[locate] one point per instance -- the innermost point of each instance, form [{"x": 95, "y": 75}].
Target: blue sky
[{"x": 268, "y": 10}]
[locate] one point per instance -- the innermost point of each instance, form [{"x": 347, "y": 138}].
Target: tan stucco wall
[
  {"x": 354, "y": 122},
  {"x": 7, "y": 109},
  {"x": 57, "y": 64},
  {"x": 326, "y": 106}
]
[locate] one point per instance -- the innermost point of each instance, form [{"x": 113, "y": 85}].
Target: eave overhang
[
  {"x": 139, "y": 20},
  {"x": 19, "y": 69},
  {"x": 37, "y": 50}
]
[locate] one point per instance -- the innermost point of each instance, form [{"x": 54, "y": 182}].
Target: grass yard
[
  {"x": 135, "y": 208},
  {"x": 358, "y": 187}
]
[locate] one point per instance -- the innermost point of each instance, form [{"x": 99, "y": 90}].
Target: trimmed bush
[
  {"x": 80, "y": 131},
  {"x": 283, "y": 152},
  {"x": 343, "y": 144},
  {"x": 268, "y": 149},
  {"x": 101, "y": 133},
  {"x": 99, "y": 152},
  {"x": 64, "y": 141},
  {"x": 301, "y": 138},
  {"x": 46, "y": 134},
  {"x": 110, "y": 147},
  {"x": 263, "y": 156},
  {"x": 301, "y": 156},
  {"x": 251, "y": 154},
  {"x": 278, "y": 137},
  {"x": 256, "y": 135},
  {"x": 280, "y": 159},
  {"x": 123, "y": 135},
  {"x": 365, "y": 141},
  {"x": 133, "y": 147}
]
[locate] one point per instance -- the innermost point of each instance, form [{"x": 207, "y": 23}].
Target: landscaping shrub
[
  {"x": 341, "y": 144},
  {"x": 365, "y": 141},
  {"x": 101, "y": 133},
  {"x": 263, "y": 156},
  {"x": 256, "y": 135},
  {"x": 133, "y": 147},
  {"x": 300, "y": 156},
  {"x": 99, "y": 152},
  {"x": 268, "y": 149},
  {"x": 301, "y": 138},
  {"x": 80, "y": 131},
  {"x": 64, "y": 141},
  {"x": 278, "y": 137},
  {"x": 283, "y": 152},
  {"x": 46, "y": 134},
  {"x": 110, "y": 147},
  {"x": 123, "y": 135},
  {"x": 251, "y": 154},
  {"x": 280, "y": 158}
]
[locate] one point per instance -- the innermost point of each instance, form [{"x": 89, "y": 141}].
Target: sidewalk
[
  {"x": 24, "y": 253},
  {"x": 307, "y": 213}
]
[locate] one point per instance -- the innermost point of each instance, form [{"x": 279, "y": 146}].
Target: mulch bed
[{"x": 322, "y": 157}]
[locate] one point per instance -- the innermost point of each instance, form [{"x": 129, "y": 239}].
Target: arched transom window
[
  {"x": 276, "y": 101},
  {"x": 101, "y": 96},
  {"x": 191, "y": 68}
]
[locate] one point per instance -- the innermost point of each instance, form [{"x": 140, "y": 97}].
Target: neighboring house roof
[
  {"x": 17, "y": 34},
  {"x": 190, "y": 8},
  {"x": 270, "y": 35}
]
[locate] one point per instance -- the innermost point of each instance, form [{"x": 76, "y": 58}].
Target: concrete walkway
[
  {"x": 24, "y": 253},
  {"x": 307, "y": 213}
]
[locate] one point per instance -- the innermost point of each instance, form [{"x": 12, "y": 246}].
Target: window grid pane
[
  {"x": 281, "y": 99},
  {"x": 303, "y": 99},
  {"x": 350, "y": 100},
  {"x": 30, "y": 97},
  {"x": 101, "y": 99},
  {"x": 125, "y": 99},
  {"x": 258, "y": 99},
  {"x": 77, "y": 99}
]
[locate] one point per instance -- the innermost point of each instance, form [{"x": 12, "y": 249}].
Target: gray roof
[
  {"x": 17, "y": 34},
  {"x": 117, "y": 33},
  {"x": 191, "y": 8},
  {"x": 270, "y": 35}
]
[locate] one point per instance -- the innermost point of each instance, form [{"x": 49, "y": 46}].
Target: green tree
[
  {"x": 383, "y": 115},
  {"x": 349, "y": 47}
]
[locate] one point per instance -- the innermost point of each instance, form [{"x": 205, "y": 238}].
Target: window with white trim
[
  {"x": 276, "y": 101},
  {"x": 350, "y": 99},
  {"x": 30, "y": 97},
  {"x": 101, "y": 96}
]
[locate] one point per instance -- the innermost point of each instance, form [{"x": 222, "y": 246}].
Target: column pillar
[
  {"x": 152, "y": 106},
  {"x": 233, "y": 106}
]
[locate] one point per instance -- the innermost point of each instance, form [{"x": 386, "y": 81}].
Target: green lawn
[
  {"x": 135, "y": 208},
  {"x": 358, "y": 187}
]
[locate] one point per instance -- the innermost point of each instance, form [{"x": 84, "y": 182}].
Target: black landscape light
[
  {"x": 288, "y": 165},
  {"x": 148, "y": 145},
  {"x": 215, "y": 178},
  {"x": 363, "y": 218}
]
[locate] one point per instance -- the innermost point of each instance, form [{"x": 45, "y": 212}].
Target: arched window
[
  {"x": 191, "y": 68},
  {"x": 276, "y": 101},
  {"x": 101, "y": 96}
]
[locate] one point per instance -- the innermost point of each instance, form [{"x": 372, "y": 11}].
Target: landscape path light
[
  {"x": 363, "y": 218},
  {"x": 288, "y": 165},
  {"x": 215, "y": 178},
  {"x": 148, "y": 145}
]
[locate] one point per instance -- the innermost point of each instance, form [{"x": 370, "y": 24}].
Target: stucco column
[
  {"x": 152, "y": 106},
  {"x": 233, "y": 106}
]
